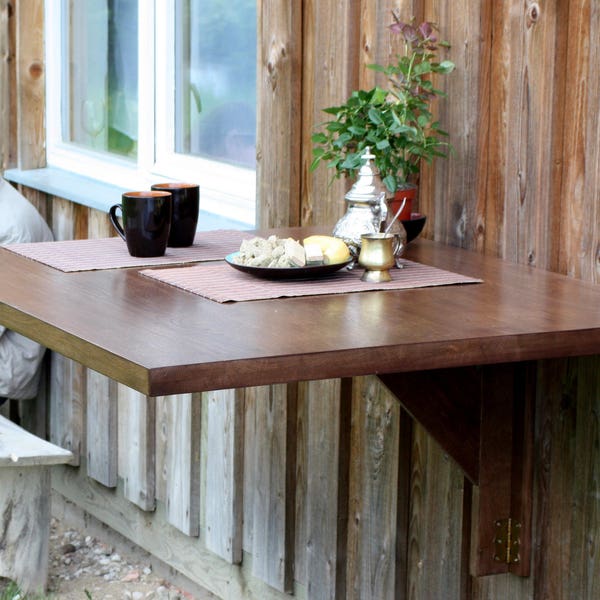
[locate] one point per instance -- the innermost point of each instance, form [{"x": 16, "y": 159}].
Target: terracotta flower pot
[{"x": 408, "y": 191}]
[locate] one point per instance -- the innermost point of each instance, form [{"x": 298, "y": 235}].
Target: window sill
[{"x": 96, "y": 194}]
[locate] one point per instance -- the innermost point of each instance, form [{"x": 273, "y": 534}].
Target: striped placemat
[
  {"x": 223, "y": 283},
  {"x": 111, "y": 253}
]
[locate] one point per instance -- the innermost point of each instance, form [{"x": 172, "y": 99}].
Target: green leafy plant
[
  {"x": 9, "y": 590},
  {"x": 396, "y": 123}
]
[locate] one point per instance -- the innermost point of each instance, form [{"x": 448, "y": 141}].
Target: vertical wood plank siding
[
  {"x": 279, "y": 87},
  {"x": 326, "y": 451},
  {"x": 136, "y": 431},
  {"x": 7, "y": 85},
  {"x": 329, "y": 74},
  {"x": 182, "y": 458},
  {"x": 373, "y": 491},
  {"x": 327, "y": 489},
  {"x": 30, "y": 83},
  {"x": 101, "y": 428},
  {"x": 224, "y": 473},
  {"x": 272, "y": 484}
]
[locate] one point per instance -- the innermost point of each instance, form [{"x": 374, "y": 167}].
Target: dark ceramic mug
[
  {"x": 146, "y": 222},
  {"x": 186, "y": 206}
]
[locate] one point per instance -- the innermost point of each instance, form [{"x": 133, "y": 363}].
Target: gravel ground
[
  {"x": 83, "y": 567},
  {"x": 79, "y": 562}
]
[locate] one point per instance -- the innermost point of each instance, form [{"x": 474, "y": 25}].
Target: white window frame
[{"x": 226, "y": 190}]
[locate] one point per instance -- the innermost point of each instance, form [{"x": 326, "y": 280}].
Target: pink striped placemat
[
  {"x": 223, "y": 283},
  {"x": 111, "y": 253}
]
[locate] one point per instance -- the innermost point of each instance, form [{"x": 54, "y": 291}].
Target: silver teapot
[{"x": 366, "y": 211}]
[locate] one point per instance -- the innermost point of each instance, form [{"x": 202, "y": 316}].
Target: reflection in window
[
  {"x": 103, "y": 76},
  {"x": 215, "y": 115}
]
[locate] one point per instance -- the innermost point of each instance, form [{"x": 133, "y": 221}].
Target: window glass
[
  {"x": 144, "y": 90},
  {"x": 102, "y": 76},
  {"x": 215, "y": 89}
]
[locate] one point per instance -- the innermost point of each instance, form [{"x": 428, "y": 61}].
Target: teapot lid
[{"x": 364, "y": 189}]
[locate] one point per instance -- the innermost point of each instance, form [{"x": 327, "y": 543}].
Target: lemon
[{"x": 334, "y": 249}]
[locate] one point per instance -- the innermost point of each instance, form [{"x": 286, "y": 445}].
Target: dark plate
[
  {"x": 311, "y": 272},
  {"x": 414, "y": 226}
]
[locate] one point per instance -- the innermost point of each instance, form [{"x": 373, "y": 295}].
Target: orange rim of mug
[
  {"x": 147, "y": 194},
  {"x": 172, "y": 185}
]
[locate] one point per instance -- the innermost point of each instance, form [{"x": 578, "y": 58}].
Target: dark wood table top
[{"x": 161, "y": 340}]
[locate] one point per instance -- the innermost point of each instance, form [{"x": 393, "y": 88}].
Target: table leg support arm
[{"x": 483, "y": 418}]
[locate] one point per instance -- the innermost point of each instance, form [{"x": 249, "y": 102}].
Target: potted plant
[{"x": 396, "y": 123}]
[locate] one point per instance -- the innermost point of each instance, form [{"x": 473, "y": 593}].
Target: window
[{"x": 140, "y": 91}]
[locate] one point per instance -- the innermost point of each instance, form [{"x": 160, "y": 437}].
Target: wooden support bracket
[{"x": 483, "y": 418}]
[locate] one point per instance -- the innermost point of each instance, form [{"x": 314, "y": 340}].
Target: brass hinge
[{"x": 507, "y": 541}]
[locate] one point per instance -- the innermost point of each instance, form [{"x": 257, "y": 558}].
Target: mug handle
[
  {"x": 398, "y": 249},
  {"x": 112, "y": 213}
]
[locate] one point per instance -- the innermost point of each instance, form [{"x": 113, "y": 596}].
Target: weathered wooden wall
[
  {"x": 328, "y": 489},
  {"x": 7, "y": 84}
]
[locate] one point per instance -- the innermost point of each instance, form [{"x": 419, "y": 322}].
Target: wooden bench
[{"x": 25, "y": 504}]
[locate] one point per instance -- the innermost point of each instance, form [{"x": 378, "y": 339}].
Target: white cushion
[
  {"x": 19, "y": 220},
  {"x": 20, "y": 358}
]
